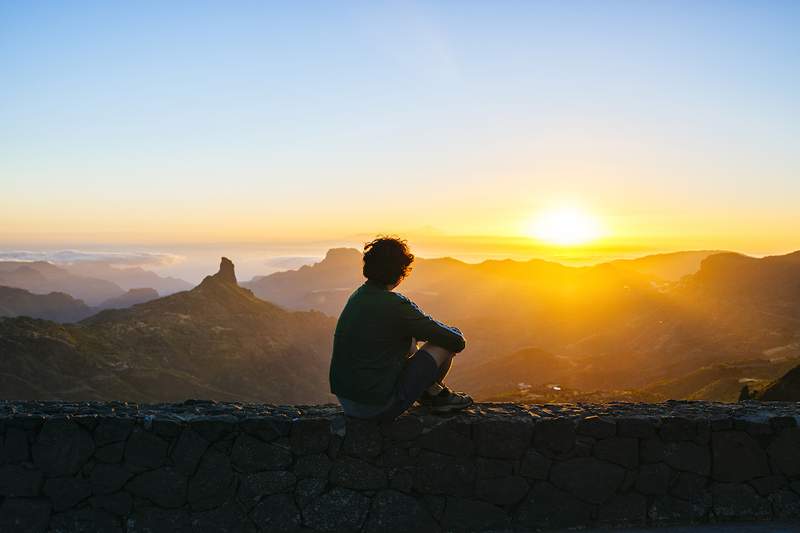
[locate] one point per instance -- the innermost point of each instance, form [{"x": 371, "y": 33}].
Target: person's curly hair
[{"x": 387, "y": 260}]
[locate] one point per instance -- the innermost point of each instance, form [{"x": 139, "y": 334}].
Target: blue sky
[{"x": 157, "y": 121}]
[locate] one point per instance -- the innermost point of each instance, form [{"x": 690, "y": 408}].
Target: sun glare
[{"x": 566, "y": 226}]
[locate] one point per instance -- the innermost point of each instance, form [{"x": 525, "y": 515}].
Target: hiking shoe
[{"x": 446, "y": 401}]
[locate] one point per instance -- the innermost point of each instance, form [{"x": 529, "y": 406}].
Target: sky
[{"x": 671, "y": 125}]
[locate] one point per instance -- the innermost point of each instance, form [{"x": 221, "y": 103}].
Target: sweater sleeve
[{"x": 417, "y": 324}]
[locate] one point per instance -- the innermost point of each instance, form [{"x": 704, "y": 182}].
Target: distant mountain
[
  {"x": 622, "y": 325},
  {"x": 41, "y": 277},
  {"x": 129, "y": 277},
  {"x": 668, "y": 267},
  {"x": 323, "y": 286},
  {"x": 130, "y": 298},
  {"x": 215, "y": 341},
  {"x": 784, "y": 389},
  {"x": 55, "y": 306}
]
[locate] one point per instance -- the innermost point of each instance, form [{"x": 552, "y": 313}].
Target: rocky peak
[
  {"x": 342, "y": 255},
  {"x": 226, "y": 274}
]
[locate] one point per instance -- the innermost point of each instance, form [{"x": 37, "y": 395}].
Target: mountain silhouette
[
  {"x": 55, "y": 306},
  {"x": 215, "y": 341},
  {"x": 41, "y": 277},
  {"x": 625, "y": 324},
  {"x": 130, "y": 298},
  {"x": 128, "y": 277}
]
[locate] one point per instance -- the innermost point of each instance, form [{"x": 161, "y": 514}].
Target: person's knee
[{"x": 439, "y": 354}]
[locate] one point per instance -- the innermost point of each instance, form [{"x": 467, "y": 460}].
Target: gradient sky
[{"x": 677, "y": 124}]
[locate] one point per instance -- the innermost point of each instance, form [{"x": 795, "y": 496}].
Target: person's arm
[{"x": 417, "y": 324}]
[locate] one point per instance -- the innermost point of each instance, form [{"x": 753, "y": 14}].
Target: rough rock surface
[{"x": 209, "y": 466}]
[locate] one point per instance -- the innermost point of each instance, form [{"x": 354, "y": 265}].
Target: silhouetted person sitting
[{"x": 376, "y": 370}]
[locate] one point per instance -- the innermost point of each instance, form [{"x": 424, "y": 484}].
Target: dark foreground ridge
[{"x": 207, "y": 466}]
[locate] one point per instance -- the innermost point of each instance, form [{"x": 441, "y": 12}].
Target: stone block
[
  {"x": 473, "y": 515},
  {"x": 276, "y": 513},
  {"x": 145, "y": 450},
  {"x": 110, "y": 453},
  {"x": 23, "y": 480},
  {"x": 394, "y": 512},
  {"x": 769, "y": 484},
  {"x": 309, "y": 489},
  {"x": 674, "y": 428},
  {"x": 214, "y": 427},
  {"x": 535, "y": 465},
  {"x": 266, "y": 429},
  {"x": 213, "y": 483},
  {"x": 362, "y": 439},
  {"x": 506, "y": 490},
  {"x": 737, "y": 501},
  {"x": 310, "y": 435},
  {"x": 670, "y": 510},
  {"x": 228, "y": 518},
  {"x": 316, "y": 465},
  {"x": 641, "y": 428},
  {"x": 441, "y": 474},
  {"x": 154, "y": 519},
  {"x": 785, "y": 504},
  {"x": 254, "y": 487},
  {"x": 597, "y": 427},
  {"x": 623, "y": 451},
  {"x": 688, "y": 456},
  {"x": 784, "y": 452},
  {"x": 29, "y": 515},
  {"x": 112, "y": 429},
  {"x": 588, "y": 478},
  {"x": 15, "y": 448},
  {"x": 404, "y": 428},
  {"x": 66, "y": 492},
  {"x": 353, "y": 473},
  {"x": 62, "y": 447},
  {"x": 653, "y": 479},
  {"x": 502, "y": 439},
  {"x": 85, "y": 520},
  {"x": 691, "y": 487},
  {"x": 447, "y": 440},
  {"x": 250, "y": 454},
  {"x": 652, "y": 450},
  {"x": 556, "y": 436},
  {"x": 338, "y": 510},
  {"x": 188, "y": 450},
  {"x": 118, "y": 504},
  {"x": 108, "y": 478},
  {"x": 737, "y": 457},
  {"x": 623, "y": 510},
  {"x": 492, "y": 468},
  {"x": 548, "y": 507},
  {"x": 165, "y": 487}
]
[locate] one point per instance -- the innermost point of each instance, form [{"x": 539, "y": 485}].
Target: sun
[{"x": 565, "y": 226}]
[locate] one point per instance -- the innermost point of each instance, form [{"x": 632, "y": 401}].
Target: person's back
[{"x": 376, "y": 371}]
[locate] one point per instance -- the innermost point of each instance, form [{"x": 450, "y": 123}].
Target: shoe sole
[{"x": 450, "y": 408}]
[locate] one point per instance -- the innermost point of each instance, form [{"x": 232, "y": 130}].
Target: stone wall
[{"x": 204, "y": 466}]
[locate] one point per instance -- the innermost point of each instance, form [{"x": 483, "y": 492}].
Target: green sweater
[{"x": 372, "y": 339}]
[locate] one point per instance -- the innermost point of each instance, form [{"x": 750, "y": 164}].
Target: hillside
[
  {"x": 215, "y": 341},
  {"x": 620, "y": 325},
  {"x": 784, "y": 389},
  {"x": 55, "y": 306},
  {"x": 130, "y": 298},
  {"x": 41, "y": 277}
]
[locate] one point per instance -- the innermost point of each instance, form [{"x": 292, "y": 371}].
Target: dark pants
[{"x": 419, "y": 373}]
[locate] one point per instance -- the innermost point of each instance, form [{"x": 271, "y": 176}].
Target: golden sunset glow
[{"x": 565, "y": 226}]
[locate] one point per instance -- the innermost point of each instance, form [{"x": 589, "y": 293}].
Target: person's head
[{"x": 387, "y": 260}]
